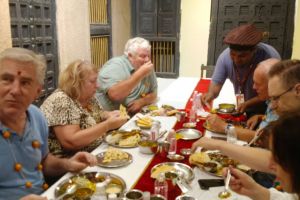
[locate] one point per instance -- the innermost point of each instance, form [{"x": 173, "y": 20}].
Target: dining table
[{"x": 178, "y": 94}]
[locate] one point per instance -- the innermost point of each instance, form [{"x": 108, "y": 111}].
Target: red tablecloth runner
[
  {"x": 146, "y": 183},
  {"x": 201, "y": 87}
]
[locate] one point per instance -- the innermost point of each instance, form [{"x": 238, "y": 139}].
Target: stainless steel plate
[
  {"x": 189, "y": 133},
  {"x": 92, "y": 178},
  {"x": 109, "y": 138},
  {"x": 187, "y": 171},
  {"x": 113, "y": 163}
]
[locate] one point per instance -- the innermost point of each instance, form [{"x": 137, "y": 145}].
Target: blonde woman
[{"x": 76, "y": 120}]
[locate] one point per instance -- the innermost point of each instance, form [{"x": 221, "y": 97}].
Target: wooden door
[
  {"x": 33, "y": 27},
  {"x": 274, "y": 17},
  {"x": 159, "y": 22}
]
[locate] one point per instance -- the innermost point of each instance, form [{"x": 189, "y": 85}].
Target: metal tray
[
  {"x": 108, "y": 138},
  {"x": 189, "y": 133},
  {"x": 93, "y": 178},
  {"x": 113, "y": 163},
  {"x": 187, "y": 171}
]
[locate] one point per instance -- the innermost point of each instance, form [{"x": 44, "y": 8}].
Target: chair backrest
[{"x": 207, "y": 71}]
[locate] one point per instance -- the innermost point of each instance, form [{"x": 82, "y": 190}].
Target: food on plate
[
  {"x": 199, "y": 157},
  {"x": 124, "y": 138},
  {"x": 144, "y": 122},
  {"x": 130, "y": 141},
  {"x": 214, "y": 162},
  {"x": 114, "y": 154},
  {"x": 172, "y": 112},
  {"x": 162, "y": 169}
]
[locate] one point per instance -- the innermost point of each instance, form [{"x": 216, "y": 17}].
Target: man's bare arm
[{"x": 213, "y": 92}]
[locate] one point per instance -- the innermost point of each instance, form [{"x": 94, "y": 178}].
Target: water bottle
[
  {"x": 192, "y": 115},
  {"x": 173, "y": 142},
  {"x": 161, "y": 185},
  {"x": 231, "y": 134},
  {"x": 155, "y": 130}
]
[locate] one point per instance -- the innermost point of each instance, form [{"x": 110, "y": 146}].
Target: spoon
[
  {"x": 70, "y": 190},
  {"x": 256, "y": 137},
  {"x": 181, "y": 183},
  {"x": 225, "y": 194}
]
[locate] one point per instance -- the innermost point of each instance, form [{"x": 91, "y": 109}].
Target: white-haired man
[
  {"x": 24, "y": 154},
  {"x": 129, "y": 79}
]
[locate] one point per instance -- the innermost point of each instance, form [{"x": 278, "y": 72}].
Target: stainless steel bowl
[
  {"x": 148, "y": 146},
  {"x": 226, "y": 108}
]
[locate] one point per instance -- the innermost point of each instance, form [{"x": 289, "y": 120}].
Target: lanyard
[{"x": 242, "y": 82}]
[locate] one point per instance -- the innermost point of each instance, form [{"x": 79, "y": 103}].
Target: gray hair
[
  {"x": 25, "y": 55},
  {"x": 136, "y": 43}
]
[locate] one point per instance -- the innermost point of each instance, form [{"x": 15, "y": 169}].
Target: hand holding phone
[{"x": 205, "y": 184}]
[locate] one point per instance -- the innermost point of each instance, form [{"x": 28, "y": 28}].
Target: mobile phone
[{"x": 205, "y": 184}]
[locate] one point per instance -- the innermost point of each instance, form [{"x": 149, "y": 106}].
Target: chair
[{"x": 207, "y": 71}]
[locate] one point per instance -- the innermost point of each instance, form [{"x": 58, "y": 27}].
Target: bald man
[{"x": 260, "y": 79}]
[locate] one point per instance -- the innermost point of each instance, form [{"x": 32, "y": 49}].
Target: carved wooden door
[{"x": 274, "y": 17}]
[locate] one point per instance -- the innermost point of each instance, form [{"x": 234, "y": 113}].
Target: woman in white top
[{"x": 285, "y": 146}]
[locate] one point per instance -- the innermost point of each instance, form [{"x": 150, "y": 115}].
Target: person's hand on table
[
  {"x": 243, "y": 184},
  {"x": 135, "y": 106},
  {"x": 216, "y": 123},
  {"x": 206, "y": 99},
  {"x": 33, "y": 197},
  {"x": 80, "y": 161},
  {"x": 253, "y": 121},
  {"x": 207, "y": 143},
  {"x": 242, "y": 107}
]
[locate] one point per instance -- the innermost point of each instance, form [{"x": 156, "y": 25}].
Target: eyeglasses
[{"x": 277, "y": 97}]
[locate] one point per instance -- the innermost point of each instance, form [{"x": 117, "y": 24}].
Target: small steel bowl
[
  {"x": 185, "y": 151},
  {"x": 148, "y": 146},
  {"x": 226, "y": 107},
  {"x": 175, "y": 157}
]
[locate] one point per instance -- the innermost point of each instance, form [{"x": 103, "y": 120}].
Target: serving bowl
[
  {"x": 226, "y": 108},
  {"x": 148, "y": 146}
]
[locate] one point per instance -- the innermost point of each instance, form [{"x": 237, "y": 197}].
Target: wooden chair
[{"x": 207, "y": 71}]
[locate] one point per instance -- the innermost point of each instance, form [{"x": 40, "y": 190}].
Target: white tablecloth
[{"x": 176, "y": 94}]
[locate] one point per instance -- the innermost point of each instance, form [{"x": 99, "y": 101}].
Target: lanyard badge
[{"x": 239, "y": 99}]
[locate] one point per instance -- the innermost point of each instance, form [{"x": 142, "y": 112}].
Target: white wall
[
  {"x": 5, "y": 32},
  {"x": 73, "y": 31},
  {"x": 296, "y": 42},
  {"x": 121, "y": 25},
  {"x": 194, "y": 33}
]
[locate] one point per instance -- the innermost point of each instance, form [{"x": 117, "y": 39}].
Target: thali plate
[
  {"x": 221, "y": 161},
  {"x": 189, "y": 133},
  {"x": 186, "y": 170},
  {"x": 112, "y": 140},
  {"x": 91, "y": 178},
  {"x": 113, "y": 163}
]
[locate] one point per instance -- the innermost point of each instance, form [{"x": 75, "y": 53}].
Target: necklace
[{"x": 18, "y": 167}]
